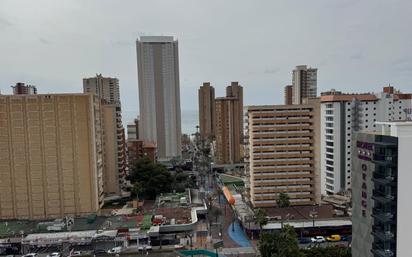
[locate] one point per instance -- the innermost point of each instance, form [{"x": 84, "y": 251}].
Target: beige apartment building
[
  {"x": 229, "y": 125},
  {"x": 304, "y": 82},
  {"x": 206, "y": 111},
  {"x": 51, "y": 156},
  {"x": 282, "y": 153},
  {"x": 289, "y": 94},
  {"x": 107, "y": 89}
]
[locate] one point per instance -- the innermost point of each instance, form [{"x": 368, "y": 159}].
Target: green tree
[
  {"x": 261, "y": 218},
  {"x": 280, "y": 244},
  {"x": 283, "y": 200},
  {"x": 150, "y": 179}
]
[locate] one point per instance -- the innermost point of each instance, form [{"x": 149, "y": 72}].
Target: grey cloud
[
  {"x": 5, "y": 23},
  {"x": 44, "y": 41},
  {"x": 356, "y": 56}
]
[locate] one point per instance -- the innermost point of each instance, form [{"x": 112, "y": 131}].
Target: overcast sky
[{"x": 356, "y": 45}]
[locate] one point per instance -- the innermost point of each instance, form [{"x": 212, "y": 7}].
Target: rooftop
[{"x": 155, "y": 39}]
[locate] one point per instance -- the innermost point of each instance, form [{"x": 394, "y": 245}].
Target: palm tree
[{"x": 261, "y": 218}]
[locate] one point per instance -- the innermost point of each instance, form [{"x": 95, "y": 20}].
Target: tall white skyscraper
[{"x": 159, "y": 94}]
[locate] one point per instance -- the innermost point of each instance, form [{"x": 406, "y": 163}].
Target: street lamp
[{"x": 313, "y": 214}]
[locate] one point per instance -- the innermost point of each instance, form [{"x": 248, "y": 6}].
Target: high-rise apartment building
[
  {"x": 51, "y": 155},
  {"x": 159, "y": 94},
  {"x": 22, "y": 89},
  {"x": 105, "y": 87},
  {"x": 344, "y": 114},
  {"x": 206, "y": 111},
  {"x": 229, "y": 125},
  {"x": 114, "y": 144},
  {"x": 289, "y": 94},
  {"x": 236, "y": 91},
  {"x": 381, "y": 191},
  {"x": 282, "y": 153},
  {"x": 304, "y": 81}
]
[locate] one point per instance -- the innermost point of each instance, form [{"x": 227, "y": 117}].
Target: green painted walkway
[{"x": 199, "y": 252}]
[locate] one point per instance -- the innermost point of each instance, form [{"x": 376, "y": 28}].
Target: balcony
[
  {"x": 382, "y": 197},
  {"x": 384, "y": 180},
  {"x": 382, "y": 215},
  {"x": 385, "y": 160},
  {"x": 382, "y": 252},
  {"x": 383, "y": 235}
]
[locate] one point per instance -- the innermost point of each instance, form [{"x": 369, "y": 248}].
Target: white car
[
  {"x": 76, "y": 253},
  {"x": 115, "y": 250},
  {"x": 145, "y": 248},
  {"x": 318, "y": 239},
  {"x": 30, "y": 255},
  {"x": 55, "y": 254}
]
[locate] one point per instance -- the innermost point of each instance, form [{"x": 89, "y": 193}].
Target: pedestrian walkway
[
  {"x": 200, "y": 252},
  {"x": 237, "y": 234}
]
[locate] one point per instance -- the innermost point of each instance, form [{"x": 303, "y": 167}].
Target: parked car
[
  {"x": 145, "y": 248},
  {"x": 179, "y": 247},
  {"x": 345, "y": 238},
  {"x": 333, "y": 238},
  {"x": 318, "y": 239},
  {"x": 114, "y": 250},
  {"x": 304, "y": 240},
  {"x": 98, "y": 252},
  {"x": 76, "y": 253},
  {"x": 30, "y": 255},
  {"x": 54, "y": 254}
]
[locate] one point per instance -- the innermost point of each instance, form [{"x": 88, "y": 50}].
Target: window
[
  {"x": 329, "y": 111},
  {"x": 328, "y": 168},
  {"x": 329, "y": 125},
  {"x": 329, "y": 162},
  {"x": 329, "y": 150},
  {"x": 329, "y": 143},
  {"x": 329, "y": 156}
]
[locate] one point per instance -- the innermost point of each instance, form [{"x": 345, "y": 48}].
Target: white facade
[
  {"x": 159, "y": 94},
  {"x": 343, "y": 115}
]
